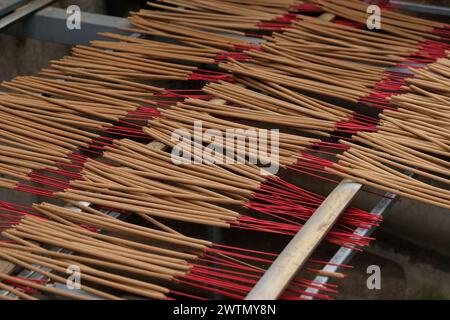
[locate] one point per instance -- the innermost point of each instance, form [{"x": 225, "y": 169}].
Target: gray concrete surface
[{"x": 27, "y": 56}]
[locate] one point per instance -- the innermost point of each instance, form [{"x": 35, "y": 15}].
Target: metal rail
[
  {"x": 7, "y": 6},
  {"x": 23, "y": 11}
]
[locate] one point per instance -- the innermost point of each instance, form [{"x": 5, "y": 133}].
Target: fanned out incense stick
[
  {"x": 196, "y": 194},
  {"x": 161, "y": 130},
  {"x": 238, "y": 8},
  {"x": 218, "y": 15},
  {"x": 96, "y": 250},
  {"x": 393, "y": 22},
  {"x": 151, "y": 269},
  {"x": 412, "y": 139},
  {"x": 94, "y": 88},
  {"x": 336, "y": 60}
]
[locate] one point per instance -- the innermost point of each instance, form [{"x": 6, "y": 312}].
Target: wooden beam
[{"x": 6, "y": 267}]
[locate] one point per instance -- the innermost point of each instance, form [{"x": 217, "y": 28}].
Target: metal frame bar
[
  {"x": 7, "y": 6},
  {"x": 23, "y": 11}
]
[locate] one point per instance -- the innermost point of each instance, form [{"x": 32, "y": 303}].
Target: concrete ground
[{"x": 407, "y": 272}]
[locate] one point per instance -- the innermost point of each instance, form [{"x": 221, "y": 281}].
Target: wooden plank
[
  {"x": 6, "y": 267},
  {"x": 327, "y": 17}
]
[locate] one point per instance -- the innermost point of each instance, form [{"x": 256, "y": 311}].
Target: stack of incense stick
[
  {"x": 155, "y": 262},
  {"x": 215, "y": 24},
  {"x": 343, "y": 42},
  {"x": 183, "y": 118},
  {"x": 91, "y": 91},
  {"x": 394, "y": 23},
  {"x": 94, "y": 107},
  {"x": 130, "y": 46},
  {"x": 191, "y": 278},
  {"x": 202, "y": 194},
  {"x": 323, "y": 66},
  {"x": 280, "y": 99},
  {"x": 220, "y": 16},
  {"x": 414, "y": 138},
  {"x": 253, "y": 223}
]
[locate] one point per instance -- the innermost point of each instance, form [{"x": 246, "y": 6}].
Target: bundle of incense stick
[
  {"x": 334, "y": 45},
  {"x": 239, "y": 8},
  {"x": 153, "y": 187},
  {"x": 157, "y": 50},
  {"x": 83, "y": 105},
  {"x": 123, "y": 100},
  {"x": 181, "y": 118},
  {"x": 38, "y": 135},
  {"x": 95, "y": 251},
  {"x": 31, "y": 143},
  {"x": 275, "y": 99},
  {"x": 220, "y": 16},
  {"x": 20, "y": 164},
  {"x": 150, "y": 266},
  {"x": 45, "y": 111},
  {"x": 434, "y": 78},
  {"x": 350, "y": 79},
  {"x": 280, "y": 99},
  {"x": 343, "y": 62},
  {"x": 306, "y": 84},
  {"x": 347, "y": 39},
  {"x": 190, "y": 36},
  {"x": 74, "y": 103},
  {"x": 413, "y": 139},
  {"x": 307, "y": 116},
  {"x": 393, "y": 22},
  {"x": 330, "y": 66},
  {"x": 88, "y": 89},
  {"x": 305, "y": 123}
]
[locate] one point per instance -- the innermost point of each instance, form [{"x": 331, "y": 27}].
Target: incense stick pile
[
  {"x": 153, "y": 265},
  {"x": 413, "y": 139},
  {"x": 94, "y": 251},
  {"x": 395, "y": 23},
  {"x": 102, "y": 89},
  {"x": 76, "y": 102},
  {"x": 230, "y": 17},
  {"x": 152, "y": 187},
  {"x": 180, "y": 117},
  {"x": 156, "y": 264},
  {"x": 330, "y": 58},
  {"x": 328, "y": 39},
  {"x": 342, "y": 62}
]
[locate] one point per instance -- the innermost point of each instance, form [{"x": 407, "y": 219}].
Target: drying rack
[{"x": 27, "y": 19}]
